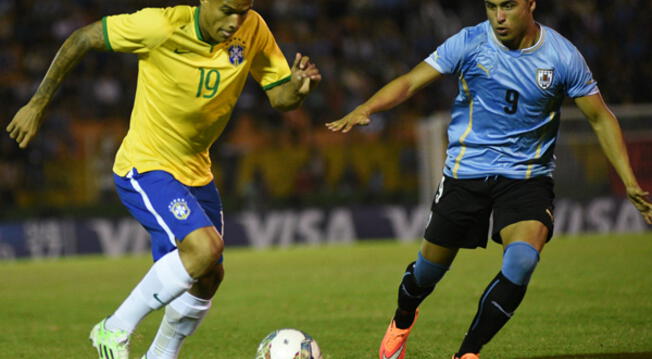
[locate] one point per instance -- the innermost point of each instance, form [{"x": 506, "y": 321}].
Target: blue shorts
[{"x": 168, "y": 209}]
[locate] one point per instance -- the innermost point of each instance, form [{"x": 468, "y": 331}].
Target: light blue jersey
[{"x": 505, "y": 118}]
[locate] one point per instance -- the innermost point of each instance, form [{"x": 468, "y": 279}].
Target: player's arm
[
  {"x": 290, "y": 95},
  {"x": 28, "y": 119},
  {"x": 391, "y": 95},
  {"x": 606, "y": 127}
]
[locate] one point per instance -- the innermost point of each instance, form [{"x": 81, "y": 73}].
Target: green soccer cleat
[{"x": 110, "y": 344}]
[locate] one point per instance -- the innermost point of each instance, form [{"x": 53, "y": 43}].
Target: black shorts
[{"x": 462, "y": 208}]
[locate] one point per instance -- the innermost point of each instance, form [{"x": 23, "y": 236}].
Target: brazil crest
[{"x": 236, "y": 54}]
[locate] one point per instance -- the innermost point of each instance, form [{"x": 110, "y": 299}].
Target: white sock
[
  {"x": 182, "y": 317},
  {"x": 166, "y": 280}
]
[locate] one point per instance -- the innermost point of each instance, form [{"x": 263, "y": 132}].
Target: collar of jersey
[
  {"x": 198, "y": 30},
  {"x": 529, "y": 50}
]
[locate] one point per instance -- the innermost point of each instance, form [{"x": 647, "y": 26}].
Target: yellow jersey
[{"x": 187, "y": 87}]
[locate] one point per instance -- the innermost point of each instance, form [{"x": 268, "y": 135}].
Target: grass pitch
[{"x": 590, "y": 297}]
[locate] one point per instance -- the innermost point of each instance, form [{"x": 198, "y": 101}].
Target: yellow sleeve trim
[
  {"x": 105, "y": 31},
  {"x": 279, "y": 82}
]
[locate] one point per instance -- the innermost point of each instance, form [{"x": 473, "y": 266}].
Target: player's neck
[
  {"x": 529, "y": 38},
  {"x": 204, "y": 34}
]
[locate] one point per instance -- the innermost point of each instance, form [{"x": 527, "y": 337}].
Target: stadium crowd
[{"x": 265, "y": 158}]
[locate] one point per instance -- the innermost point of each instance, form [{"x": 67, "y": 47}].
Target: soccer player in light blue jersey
[{"x": 513, "y": 75}]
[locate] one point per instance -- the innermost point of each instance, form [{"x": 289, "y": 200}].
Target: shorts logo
[
  {"x": 179, "y": 208},
  {"x": 236, "y": 54},
  {"x": 440, "y": 190},
  {"x": 544, "y": 78},
  {"x": 552, "y": 217}
]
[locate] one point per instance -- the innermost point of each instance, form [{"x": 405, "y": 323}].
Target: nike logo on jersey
[
  {"x": 180, "y": 52},
  {"x": 396, "y": 354},
  {"x": 589, "y": 82}
]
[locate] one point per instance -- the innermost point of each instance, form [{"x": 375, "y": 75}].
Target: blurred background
[{"x": 288, "y": 165}]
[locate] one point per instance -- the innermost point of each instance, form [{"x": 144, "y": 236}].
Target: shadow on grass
[{"x": 646, "y": 355}]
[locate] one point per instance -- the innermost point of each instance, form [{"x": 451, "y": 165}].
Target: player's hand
[
  {"x": 25, "y": 124},
  {"x": 638, "y": 197},
  {"x": 358, "y": 117},
  {"x": 305, "y": 74}
]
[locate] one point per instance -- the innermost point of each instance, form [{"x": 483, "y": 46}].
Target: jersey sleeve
[
  {"x": 269, "y": 67},
  {"x": 138, "y": 32},
  {"x": 579, "y": 79},
  {"x": 449, "y": 56}
]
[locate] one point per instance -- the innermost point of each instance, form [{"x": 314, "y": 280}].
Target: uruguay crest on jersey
[{"x": 544, "y": 78}]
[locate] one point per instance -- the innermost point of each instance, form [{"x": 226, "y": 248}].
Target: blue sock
[
  {"x": 519, "y": 261},
  {"x": 418, "y": 282},
  {"x": 427, "y": 273}
]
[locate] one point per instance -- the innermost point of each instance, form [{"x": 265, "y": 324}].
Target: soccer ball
[{"x": 288, "y": 344}]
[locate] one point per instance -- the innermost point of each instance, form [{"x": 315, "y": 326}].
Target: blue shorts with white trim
[{"x": 168, "y": 209}]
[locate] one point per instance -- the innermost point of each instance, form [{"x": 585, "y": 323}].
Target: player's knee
[
  {"x": 216, "y": 249},
  {"x": 210, "y": 251},
  {"x": 211, "y": 254},
  {"x": 202, "y": 250},
  {"x": 427, "y": 273},
  {"x": 519, "y": 261}
]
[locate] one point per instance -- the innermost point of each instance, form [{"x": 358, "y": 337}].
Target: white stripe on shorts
[
  {"x": 222, "y": 218},
  {"x": 150, "y": 208}
]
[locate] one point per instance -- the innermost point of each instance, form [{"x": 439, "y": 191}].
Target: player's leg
[
  {"x": 168, "y": 211},
  {"x": 419, "y": 280},
  {"x": 450, "y": 227},
  {"x": 524, "y": 224},
  {"x": 184, "y": 314},
  {"x": 165, "y": 280}
]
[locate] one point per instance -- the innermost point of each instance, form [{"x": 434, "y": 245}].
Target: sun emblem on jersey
[
  {"x": 179, "y": 208},
  {"x": 236, "y": 54},
  {"x": 544, "y": 78}
]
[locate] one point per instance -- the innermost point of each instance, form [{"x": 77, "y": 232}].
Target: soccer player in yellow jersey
[{"x": 193, "y": 64}]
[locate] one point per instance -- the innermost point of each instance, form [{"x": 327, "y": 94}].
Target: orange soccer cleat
[{"x": 394, "y": 342}]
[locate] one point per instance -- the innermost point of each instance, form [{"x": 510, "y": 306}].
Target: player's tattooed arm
[
  {"x": 27, "y": 120},
  {"x": 87, "y": 38},
  {"x": 290, "y": 95}
]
